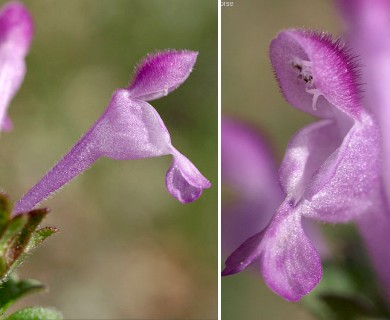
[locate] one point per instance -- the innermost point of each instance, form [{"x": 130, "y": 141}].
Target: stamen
[
  {"x": 303, "y": 68},
  {"x": 316, "y": 94}
]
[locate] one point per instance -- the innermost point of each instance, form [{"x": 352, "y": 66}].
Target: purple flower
[
  {"x": 16, "y": 30},
  {"x": 250, "y": 171},
  {"x": 130, "y": 128},
  {"x": 368, "y": 34},
  {"x": 331, "y": 171}
]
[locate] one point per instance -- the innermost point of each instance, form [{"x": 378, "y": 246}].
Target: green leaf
[
  {"x": 15, "y": 239},
  {"x": 10, "y": 231},
  {"x": 36, "y": 313},
  {"x": 19, "y": 243},
  {"x": 39, "y": 236},
  {"x": 13, "y": 289}
]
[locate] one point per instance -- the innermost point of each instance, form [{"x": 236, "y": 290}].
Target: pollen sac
[{"x": 316, "y": 73}]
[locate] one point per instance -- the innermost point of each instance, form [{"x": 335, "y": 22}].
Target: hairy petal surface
[
  {"x": 290, "y": 264},
  {"x": 368, "y": 29},
  {"x": 305, "y": 154},
  {"x": 16, "y": 31},
  {"x": 127, "y": 130},
  {"x": 312, "y": 66},
  {"x": 347, "y": 181},
  {"x": 161, "y": 73}
]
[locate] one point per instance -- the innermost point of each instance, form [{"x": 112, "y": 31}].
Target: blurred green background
[
  {"x": 126, "y": 248},
  {"x": 250, "y": 92}
]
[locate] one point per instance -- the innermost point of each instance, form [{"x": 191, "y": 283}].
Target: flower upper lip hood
[
  {"x": 159, "y": 74},
  {"x": 331, "y": 168},
  {"x": 130, "y": 128},
  {"x": 16, "y": 30},
  {"x": 326, "y": 67}
]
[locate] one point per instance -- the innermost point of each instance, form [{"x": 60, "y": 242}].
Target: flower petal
[
  {"x": 314, "y": 72},
  {"x": 368, "y": 25},
  {"x": 161, "y": 73},
  {"x": 15, "y": 36},
  {"x": 245, "y": 255},
  {"x": 183, "y": 180},
  {"x": 12, "y": 71},
  {"x": 305, "y": 153},
  {"x": 290, "y": 264},
  {"x": 129, "y": 129},
  {"x": 344, "y": 186},
  {"x": 16, "y": 29}
]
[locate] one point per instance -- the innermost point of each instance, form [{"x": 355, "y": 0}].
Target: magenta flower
[
  {"x": 331, "y": 171},
  {"x": 250, "y": 171},
  {"x": 368, "y": 34},
  {"x": 130, "y": 128},
  {"x": 16, "y": 29}
]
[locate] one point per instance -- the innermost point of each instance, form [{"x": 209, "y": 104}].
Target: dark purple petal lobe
[
  {"x": 160, "y": 73},
  {"x": 244, "y": 256}
]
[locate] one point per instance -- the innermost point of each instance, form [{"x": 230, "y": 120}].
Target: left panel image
[{"x": 108, "y": 161}]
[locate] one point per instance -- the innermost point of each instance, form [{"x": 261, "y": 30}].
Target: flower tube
[{"x": 130, "y": 128}]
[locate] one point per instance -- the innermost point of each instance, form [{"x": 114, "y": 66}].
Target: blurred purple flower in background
[
  {"x": 249, "y": 169},
  {"x": 331, "y": 171},
  {"x": 16, "y": 30},
  {"x": 130, "y": 128}
]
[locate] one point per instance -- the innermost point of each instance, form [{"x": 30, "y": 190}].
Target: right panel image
[{"x": 305, "y": 158}]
